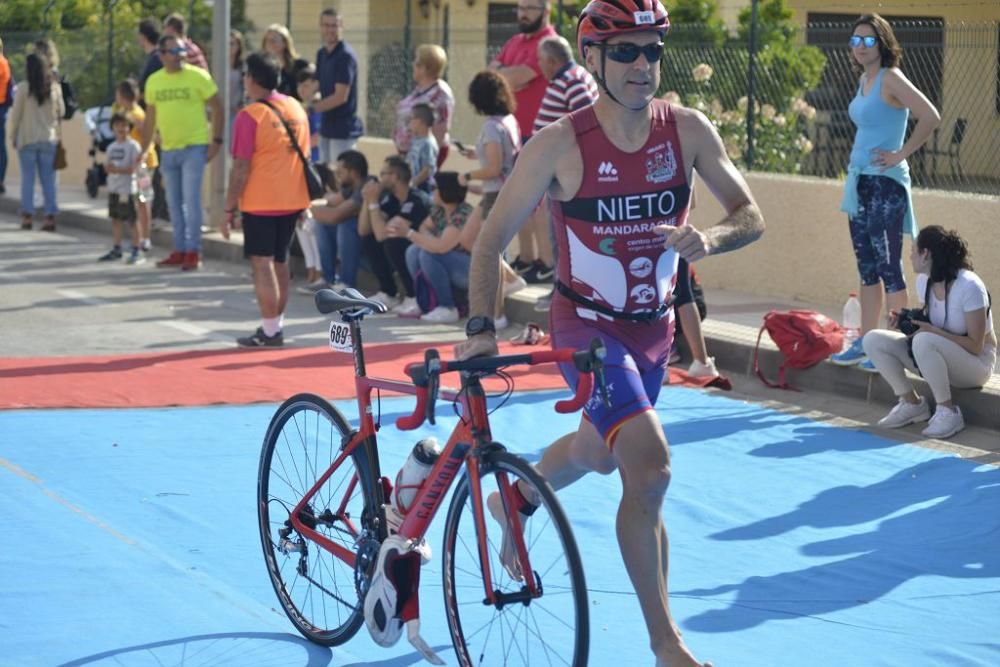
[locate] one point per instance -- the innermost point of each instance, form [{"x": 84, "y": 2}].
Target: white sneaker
[
  {"x": 945, "y": 423},
  {"x": 501, "y": 323},
  {"x": 905, "y": 413},
  {"x": 307, "y": 290},
  {"x": 408, "y": 307},
  {"x": 515, "y": 285},
  {"x": 706, "y": 370},
  {"x": 387, "y": 301},
  {"x": 441, "y": 314}
]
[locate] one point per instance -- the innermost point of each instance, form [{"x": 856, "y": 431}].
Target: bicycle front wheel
[
  {"x": 321, "y": 593},
  {"x": 552, "y": 629}
]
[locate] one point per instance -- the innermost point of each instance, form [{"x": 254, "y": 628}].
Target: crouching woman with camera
[{"x": 949, "y": 340}]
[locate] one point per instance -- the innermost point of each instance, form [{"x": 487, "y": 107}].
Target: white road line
[
  {"x": 194, "y": 330},
  {"x": 80, "y": 296}
]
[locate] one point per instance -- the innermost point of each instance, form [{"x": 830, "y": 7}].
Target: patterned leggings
[{"x": 877, "y": 232}]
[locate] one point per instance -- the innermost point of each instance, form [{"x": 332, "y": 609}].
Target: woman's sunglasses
[
  {"x": 627, "y": 52},
  {"x": 856, "y": 40},
  {"x": 176, "y": 51}
]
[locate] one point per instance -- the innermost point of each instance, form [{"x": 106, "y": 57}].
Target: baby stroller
[{"x": 97, "y": 120}]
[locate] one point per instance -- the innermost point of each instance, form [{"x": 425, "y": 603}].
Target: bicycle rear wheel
[
  {"x": 553, "y": 629},
  {"x": 321, "y": 593}
]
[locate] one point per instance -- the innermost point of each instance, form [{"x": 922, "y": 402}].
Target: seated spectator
[
  {"x": 436, "y": 248},
  {"x": 430, "y": 88},
  {"x": 337, "y": 221},
  {"x": 423, "y": 153},
  {"x": 385, "y": 248},
  {"x": 950, "y": 342}
]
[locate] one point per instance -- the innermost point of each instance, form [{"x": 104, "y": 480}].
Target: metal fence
[
  {"x": 794, "y": 117},
  {"x": 956, "y": 65}
]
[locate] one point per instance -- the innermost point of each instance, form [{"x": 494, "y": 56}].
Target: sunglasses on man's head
[
  {"x": 856, "y": 40},
  {"x": 627, "y": 52}
]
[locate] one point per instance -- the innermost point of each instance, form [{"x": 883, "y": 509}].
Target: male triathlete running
[{"x": 618, "y": 176}]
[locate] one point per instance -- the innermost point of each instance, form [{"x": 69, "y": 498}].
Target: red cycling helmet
[{"x": 602, "y": 19}]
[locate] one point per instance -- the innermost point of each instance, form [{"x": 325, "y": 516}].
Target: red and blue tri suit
[{"x": 615, "y": 280}]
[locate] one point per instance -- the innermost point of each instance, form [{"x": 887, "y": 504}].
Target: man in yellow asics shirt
[{"x": 176, "y": 97}]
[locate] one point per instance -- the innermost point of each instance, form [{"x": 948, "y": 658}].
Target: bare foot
[{"x": 678, "y": 655}]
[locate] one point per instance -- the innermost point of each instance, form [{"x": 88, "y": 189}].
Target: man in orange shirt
[
  {"x": 6, "y": 99},
  {"x": 267, "y": 182}
]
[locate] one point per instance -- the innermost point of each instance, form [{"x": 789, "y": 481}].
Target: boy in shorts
[
  {"x": 123, "y": 160},
  {"x": 126, "y": 104}
]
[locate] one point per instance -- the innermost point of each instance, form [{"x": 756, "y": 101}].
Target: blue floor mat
[{"x": 131, "y": 539}]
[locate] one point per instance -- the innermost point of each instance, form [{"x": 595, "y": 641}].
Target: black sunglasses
[
  {"x": 627, "y": 52},
  {"x": 856, "y": 40}
]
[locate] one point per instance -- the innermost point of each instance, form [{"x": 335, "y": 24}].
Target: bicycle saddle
[{"x": 329, "y": 301}]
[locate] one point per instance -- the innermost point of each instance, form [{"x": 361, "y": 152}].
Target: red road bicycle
[{"x": 322, "y": 523}]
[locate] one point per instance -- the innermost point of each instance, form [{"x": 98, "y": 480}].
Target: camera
[{"x": 907, "y": 317}]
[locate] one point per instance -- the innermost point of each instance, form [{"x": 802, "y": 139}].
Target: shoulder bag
[{"x": 314, "y": 184}]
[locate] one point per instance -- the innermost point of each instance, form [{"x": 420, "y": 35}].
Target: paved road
[{"x": 56, "y": 299}]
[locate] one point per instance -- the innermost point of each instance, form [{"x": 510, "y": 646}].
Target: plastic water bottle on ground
[{"x": 851, "y": 320}]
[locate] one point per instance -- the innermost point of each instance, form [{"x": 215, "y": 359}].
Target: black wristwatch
[{"x": 479, "y": 324}]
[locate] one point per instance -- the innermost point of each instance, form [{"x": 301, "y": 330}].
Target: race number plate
[{"x": 340, "y": 337}]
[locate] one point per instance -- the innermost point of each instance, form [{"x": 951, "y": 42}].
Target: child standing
[
  {"x": 123, "y": 161},
  {"x": 308, "y": 90},
  {"x": 126, "y": 103},
  {"x": 423, "y": 152},
  {"x": 305, "y": 230}
]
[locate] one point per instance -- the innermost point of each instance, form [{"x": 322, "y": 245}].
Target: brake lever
[{"x": 432, "y": 366}]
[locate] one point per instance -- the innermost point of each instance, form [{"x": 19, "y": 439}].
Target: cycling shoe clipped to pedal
[{"x": 392, "y": 599}]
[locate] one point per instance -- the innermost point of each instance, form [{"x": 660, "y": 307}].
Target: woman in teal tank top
[{"x": 877, "y": 191}]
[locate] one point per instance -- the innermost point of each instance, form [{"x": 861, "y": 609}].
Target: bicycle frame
[{"x": 470, "y": 437}]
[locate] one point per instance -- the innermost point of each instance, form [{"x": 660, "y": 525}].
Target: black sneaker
[
  {"x": 519, "y": 265},
  {"x": 260, "y": 339},
  {"x": 111, "y": 255},
  {"x": 538, "y": 273}
]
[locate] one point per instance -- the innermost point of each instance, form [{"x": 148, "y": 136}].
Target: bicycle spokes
[{"x": 537, "y": 618}]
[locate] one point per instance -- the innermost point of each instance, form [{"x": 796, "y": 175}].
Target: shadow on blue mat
[
  {"x": 245, "y": 644},
  {"x": 939, "y": 537}
]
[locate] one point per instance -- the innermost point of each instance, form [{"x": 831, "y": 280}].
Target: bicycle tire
[
  {"x": 561, "y": 573},
  {"x": 304, "y": 437}
]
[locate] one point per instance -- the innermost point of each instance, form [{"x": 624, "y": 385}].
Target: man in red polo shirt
[{"x": 518, "y": 63}]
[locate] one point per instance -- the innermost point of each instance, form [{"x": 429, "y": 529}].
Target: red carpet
[{"x": 230, "y": 377}]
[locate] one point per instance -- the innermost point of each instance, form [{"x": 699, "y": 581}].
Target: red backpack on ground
[{"x": 804, "y": 337}]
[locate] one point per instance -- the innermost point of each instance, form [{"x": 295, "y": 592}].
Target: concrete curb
[{"x": 733, "y": 347}]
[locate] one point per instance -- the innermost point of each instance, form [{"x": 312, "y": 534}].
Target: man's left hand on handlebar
[{"x": 480, "y": 345}]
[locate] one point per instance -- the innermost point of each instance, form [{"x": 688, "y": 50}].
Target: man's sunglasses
[
  {"x": 856, "y": 40},
  {"x": 627, "y": 52},
  {"x": 176, "y": 51}
]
